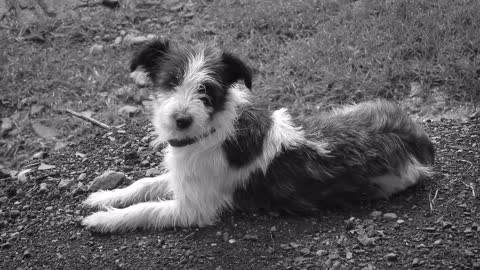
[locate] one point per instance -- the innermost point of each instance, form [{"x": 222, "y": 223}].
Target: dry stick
[
  {"x": 472, "y": 187},
  {"x": 432, "y": 201},
  {"x": 89, "y": 119}
]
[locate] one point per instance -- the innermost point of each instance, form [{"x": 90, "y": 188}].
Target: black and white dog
[{"x": 224, "y": 152}]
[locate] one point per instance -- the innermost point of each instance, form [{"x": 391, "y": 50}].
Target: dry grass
[{"x": 307, "y": 55}]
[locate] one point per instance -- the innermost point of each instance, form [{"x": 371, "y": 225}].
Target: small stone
[
  {"x": 43, "y": 187},
  {"x": 131, "y": 39},
  {"x": 153, "y": 172},
  {"x": 108, "y": 180},
  {"x": 14, "y": 213},
  {"x": 232, "y": 241},
  {"x": 6, "y": 126},
  {"x": 348, "y": 255},
  {"x": 49, "y": 208},
  {"x": 5, "y": 245},
  {"x": 23, "y": 175},
  {"x": 250, "y": 237},
  {"x": 129, "y": 111},
  {"x": 400, "y": 221},
  {"x": 45, "y": 167},
  {"x": 294, "y": 245},
  {"x": 391, "y": 256},
  {"x": 96, "y": 48},
  {"x": 437, "y": 242},
  {"x": 3, "y": 199},
  {"x": 305, "y": 251},
  {"x": 376, "y": 213},
  {"x": 469, "y": 253},
  {"x": 415, "y": 262},
  {"x": 82, "y": 177},
  {"x": 468, "y": 231},
  {"x": 321, "y": 252},
  {"x": 390, "y": 216},
  {"x": 27, "y": 254},
  {"x": 39, "y": 155},
  {"x": 117, "y": 41},
  {"x": 65, "y": 183}
]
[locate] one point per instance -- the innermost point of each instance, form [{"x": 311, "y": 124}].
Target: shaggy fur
[{"x": 224, "y": 152}]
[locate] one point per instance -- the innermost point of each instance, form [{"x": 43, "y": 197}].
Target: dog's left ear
[{"x": 235, "y": 69}]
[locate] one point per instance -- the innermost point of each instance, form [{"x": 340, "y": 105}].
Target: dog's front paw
[
  {"x": 99, "y": 222},
  {"x": 100, "y": 200}
]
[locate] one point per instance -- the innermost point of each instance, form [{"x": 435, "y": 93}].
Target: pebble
[
  {"x": 43, "y": 187},
  {"x": 232, "y": 241},
  {"x": 376, "y": 213},
  {"x": 108, "y": 180},
  {"x": 14, "y": 213},
  {"x": 391, "y": 256},
  {"x": 131, "y": 39},
  {"x": 96, "y": 48},
  {"x": 129, "y": 111},
  {"x": 153, "y": 172},
  {"x": 82, "y": 177},
  {"x": 400, "y": 221},
  {"x": 3, "y": 199},
  {"x": 415, "y": 262},
  {"x": 39, "y": 155},
  {"x": 27, "y": 254},
  {"x": 45, "y": 167},
  {"x": 49, "y": 208},
  {"x": 23, "y": 175},
  {"x": 6, "y": 126},
  {"x": 438, "y": 242},
  {"x": 250, "y": 237},
  {"x": 390, "y": 215},
  {"x": 305, "y": 251},
  {"x": 65, "y": 183},
  {"x": 321, "y": 252}
]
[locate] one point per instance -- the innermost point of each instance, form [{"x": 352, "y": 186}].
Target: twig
[
  {"x": 89, "y": 119},
  {"x": 472, "y": 187},
  {"x": 432, "y": 201}
]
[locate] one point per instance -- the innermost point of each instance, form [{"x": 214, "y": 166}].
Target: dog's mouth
[{"x": 188, "y": 141}]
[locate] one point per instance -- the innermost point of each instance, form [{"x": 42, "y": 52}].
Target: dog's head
[{"x": 197, "y": 88}]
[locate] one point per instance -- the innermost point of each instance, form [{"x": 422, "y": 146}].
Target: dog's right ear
[{"x": 146, "y": 63}]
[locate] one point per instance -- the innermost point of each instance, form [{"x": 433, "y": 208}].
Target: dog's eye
[{"x": 207, "y": 90}]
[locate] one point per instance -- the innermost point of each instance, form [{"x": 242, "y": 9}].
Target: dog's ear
[
  {"x": 148, "y": 59},
  {"x": 234, "y": 69}
]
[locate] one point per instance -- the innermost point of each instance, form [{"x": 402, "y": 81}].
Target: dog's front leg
[
  {"x": 146, "y": 215},
  {"x": 145, "y": 189}
]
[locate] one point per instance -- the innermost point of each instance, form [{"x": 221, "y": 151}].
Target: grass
[{"x": 307, "y": 55}]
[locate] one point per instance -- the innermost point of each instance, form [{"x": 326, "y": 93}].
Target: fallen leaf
[{"x": 44, "y": 131}]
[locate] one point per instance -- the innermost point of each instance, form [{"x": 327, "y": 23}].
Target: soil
[{"x": 435, "y": 225}]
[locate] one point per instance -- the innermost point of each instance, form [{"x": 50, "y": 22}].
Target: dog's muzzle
[{"x": 188, "y": 141}]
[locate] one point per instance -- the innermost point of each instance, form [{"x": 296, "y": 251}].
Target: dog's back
[{"x": 369, "y": 150}]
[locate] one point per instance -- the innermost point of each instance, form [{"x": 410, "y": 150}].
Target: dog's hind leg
[{"x": 145, "y": 189}]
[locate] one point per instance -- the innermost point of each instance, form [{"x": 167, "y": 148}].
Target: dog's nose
[{"x": 183, "y": 121}]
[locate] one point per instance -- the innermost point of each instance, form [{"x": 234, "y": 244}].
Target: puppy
[{"x": 224, "y": 152}]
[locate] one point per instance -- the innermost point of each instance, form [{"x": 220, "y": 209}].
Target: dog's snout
[{"x": 183, "y": 121}]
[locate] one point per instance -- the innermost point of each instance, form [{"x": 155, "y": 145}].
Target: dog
[{"x": 223, "y": 152}]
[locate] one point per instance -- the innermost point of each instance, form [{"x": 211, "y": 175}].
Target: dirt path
[{"x": 432, "y": 226}]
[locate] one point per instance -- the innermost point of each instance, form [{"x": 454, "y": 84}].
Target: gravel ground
[{"x": 435, "y": 225}]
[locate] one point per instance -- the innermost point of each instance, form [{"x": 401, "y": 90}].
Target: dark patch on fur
[
  {"x": 375, "y": 139},
  {"x": 301, "y": 180},
  {"x": 233, "y": 70},
  {"x": 150, "y": 57},
  {"x": 251, "y": 129}
]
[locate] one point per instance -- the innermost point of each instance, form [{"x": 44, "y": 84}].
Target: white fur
[{"x": 410, "y": 174}]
